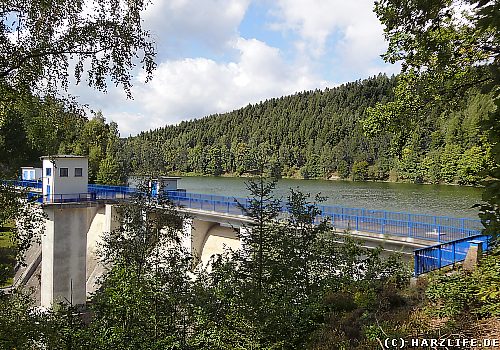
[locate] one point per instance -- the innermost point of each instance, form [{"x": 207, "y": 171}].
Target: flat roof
[{"x": 62, "y": 156}]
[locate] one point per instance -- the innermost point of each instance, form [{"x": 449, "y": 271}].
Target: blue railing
[
  {"x": 24, "y": 183},
  {"x": 426, "y": 227},
  {"x": 111, "y": 192},
  {"x": 445, "y": 254},
  {"x": 419, "y": 226}
]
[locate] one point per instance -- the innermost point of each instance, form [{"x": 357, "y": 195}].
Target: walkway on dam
[
  {"x": 438, "y": 240},
  {"x": 435, "y": 229}
]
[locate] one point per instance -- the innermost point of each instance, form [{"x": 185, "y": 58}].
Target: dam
[{"x": 65, "y": 267}]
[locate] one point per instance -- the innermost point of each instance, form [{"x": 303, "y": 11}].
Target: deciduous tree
[
  {"x": 447, "y": 49},
  {"x": 40, "y": 42}
]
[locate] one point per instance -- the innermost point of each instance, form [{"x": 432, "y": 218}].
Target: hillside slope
[{"x": 318, "y": 134}]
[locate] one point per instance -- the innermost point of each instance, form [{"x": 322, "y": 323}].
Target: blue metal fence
[
  {"x": 111, "y": 192},
  {"x": 426, "y": 227},
  {"x": 24, "y": 183},
  {"x": 217, "y": 204},
  {"x": 419, "y": 226},
  {"x": 407, "y": 217},
  {"x": 445, "y": 254}
]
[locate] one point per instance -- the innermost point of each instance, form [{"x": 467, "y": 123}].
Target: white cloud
[
  {"x": 358, "y": 34},
  {"x": 191, "y": 82},
  {"x": 195, "y": 87},
  {"x": 313, "y": 20},
  {"x": 178, "y": 24}
]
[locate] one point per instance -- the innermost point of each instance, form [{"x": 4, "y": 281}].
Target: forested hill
[{"x": 318, "y": 134}]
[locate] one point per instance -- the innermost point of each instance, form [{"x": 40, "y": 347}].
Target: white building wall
[{"x": 65, "y": 185}]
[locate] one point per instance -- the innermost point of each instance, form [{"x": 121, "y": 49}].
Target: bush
[
  {"x": 451, "y": 295},
  {"x": 360, "y": 171},
  {"x": 463, "y": 292},
  {"x": 471, "y": 165},
  {"x": 488, "y": 283}
]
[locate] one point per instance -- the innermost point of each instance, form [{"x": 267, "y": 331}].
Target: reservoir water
[{"x": 442, "y": 200}]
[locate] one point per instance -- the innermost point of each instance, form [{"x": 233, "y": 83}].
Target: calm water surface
[{"x": 424, "y": 199}]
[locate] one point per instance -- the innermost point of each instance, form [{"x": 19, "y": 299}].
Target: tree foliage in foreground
[
  {"x": 449, "y": 50},
  {"x": 26, "y": 222},
  {"x": 273, "y": 293},
  {"x": 145, "y": 298},
  {"x": 40, "y": 42}
]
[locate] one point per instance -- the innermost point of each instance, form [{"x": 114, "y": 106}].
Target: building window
[
  {"x": 63, "y": 172},
  {"x": 48, "y": 171},
  {"x": 78, "y": 172}
]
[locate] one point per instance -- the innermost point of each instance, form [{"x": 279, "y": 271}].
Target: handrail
[
  {"x": 386, "y": 226},
  {"x": 419, "y": 226},
  {"x": 445, "y": 254}
]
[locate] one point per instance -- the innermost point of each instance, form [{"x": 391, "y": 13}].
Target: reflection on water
[{"x": 442, "y": 200}]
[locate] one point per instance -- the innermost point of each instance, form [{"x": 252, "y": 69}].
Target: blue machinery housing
[{"x": 453, "y": 234}]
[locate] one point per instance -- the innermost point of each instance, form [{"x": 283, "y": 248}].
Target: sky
[{"x": 215, "y": 56}]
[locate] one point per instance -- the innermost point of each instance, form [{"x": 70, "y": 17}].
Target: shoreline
[{"x": 331, "y": 178}]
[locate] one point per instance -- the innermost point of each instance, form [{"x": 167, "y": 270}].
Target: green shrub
[
  {"x": 360, "y": 170},
  {"x": 451, "y": 295},
  {"x": 461, "y": 292},
  {"x": 488, "y": 282}
]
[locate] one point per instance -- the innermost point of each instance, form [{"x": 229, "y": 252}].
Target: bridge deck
[
  {"x": 397, "y": 224},
  {"x": 393, "y": 228}
]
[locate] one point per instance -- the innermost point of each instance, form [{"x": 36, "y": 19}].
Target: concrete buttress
[{"x": 64, "y": 253}]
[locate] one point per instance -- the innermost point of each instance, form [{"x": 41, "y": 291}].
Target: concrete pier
[
  {"x": 205, "y": 238},
  {"x": 64, "y": 253}
]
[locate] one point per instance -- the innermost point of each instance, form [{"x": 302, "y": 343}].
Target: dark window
[
  {"x": 48, "y": 171},
  {"x": 78, "y": 172},
  {"x": 63, "y": 172}
]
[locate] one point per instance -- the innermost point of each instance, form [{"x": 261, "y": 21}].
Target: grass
[
  {"x": 5, "y": 241},
  {"x": 7, "y": 257}
]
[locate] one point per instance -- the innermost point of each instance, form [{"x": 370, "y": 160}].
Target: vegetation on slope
[
  {"x": 291, "y": 286},
  {"x": 7, "y": 257},
  {"x": 48, "y": 126},
  {"x": 317, "y": 134},
  {"x": 456, "y": 305}
]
